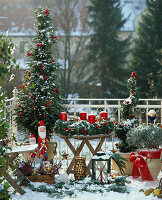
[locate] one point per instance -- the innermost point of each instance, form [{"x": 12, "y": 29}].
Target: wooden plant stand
[
  {"x": 42, "y": 178},
  {"x": 85, "y": 140}
]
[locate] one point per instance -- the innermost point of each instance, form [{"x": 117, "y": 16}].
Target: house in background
[{"x": 16, "y": 17}]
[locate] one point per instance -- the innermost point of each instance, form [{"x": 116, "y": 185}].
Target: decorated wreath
[{"x": 83, "y": 127}]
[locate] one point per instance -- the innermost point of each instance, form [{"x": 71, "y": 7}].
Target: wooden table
[
  {"x": 85, "y": 140},
  {"x": 10, "y": 157}
]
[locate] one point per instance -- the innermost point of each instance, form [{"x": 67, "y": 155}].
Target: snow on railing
[{"x": 75, "y": 105}]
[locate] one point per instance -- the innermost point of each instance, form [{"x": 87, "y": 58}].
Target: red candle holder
[
  {"x": 63, "y": 116},
  {"x": 83, "y": 116},
  {"x": 104, "y": 115},
  {"x": 91, "y": 119}
]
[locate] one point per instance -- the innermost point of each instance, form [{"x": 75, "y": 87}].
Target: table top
[
  {"x": 23, "y": 149},
  {"x": 90, "y": 137}
]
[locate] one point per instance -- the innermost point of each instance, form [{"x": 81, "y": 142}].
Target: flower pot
[
  {"x": 129, "y": 165},
  {"x": 50, "y": 148},
  {"x": 153, "y": 161}
]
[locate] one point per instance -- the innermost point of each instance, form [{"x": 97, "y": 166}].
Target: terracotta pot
[
  {"x": 50, "y": 148},
  {"x": 129, "y": 165}
]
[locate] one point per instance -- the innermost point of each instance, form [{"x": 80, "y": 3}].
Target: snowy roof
[{"x": 16, "y": 16}]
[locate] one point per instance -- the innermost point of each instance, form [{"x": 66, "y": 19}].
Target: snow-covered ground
[{"x": 133, "y": 194}]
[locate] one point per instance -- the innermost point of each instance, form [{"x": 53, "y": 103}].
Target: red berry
[
  {"x": 125, "y": 125},
  {"x": 112, "y": 122},
  {"x": 28, "y": 54},
  {"x": 19, "y": 105},
  {"x": 37, "y": 45},
  {"x": 83, "y": 130},
  {"x": 44, "y": 116},
  {"x": 28, "y": 75},
  {"x": 41, "y": 66},
  {"x": 116, "y": 123},
  {"x": 132, "y": 75},
  {"x": 69, "y": 129},
  {"x": 33, "y": 107},
  {"x": 57, "y": 90},
  {"x": 40, "y": 45},
  {"x": 20, "y": 86},
  {"x": 132, "y": 115},
  {"x": 31, "y": 96},
  {"x": 127, "y": 102},
  {"x": 133, "y": 72},
  {"x": 97, "y": 126},
  {"x": 53, "y": 60},
  {"x": 135, "y": 75},
  {"x": 20, "y": 114},
  {"x": 54, "y": 37},
  {"x": 105, "y": 123},
  {"x": 46, "y": 15},
  {"x": 114, "y": 135},
  {"x": 44, "y": 12},
  {"x": 108, "y": 132},
  {"x": 116, "y": 144},
  {"x": 26, "y": 71},
  {"x": 132, "y": 92}
]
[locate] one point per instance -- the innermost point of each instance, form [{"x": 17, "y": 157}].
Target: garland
[
  {"x": 83, "y": 127},
  {"x": 72, "y": 188}
]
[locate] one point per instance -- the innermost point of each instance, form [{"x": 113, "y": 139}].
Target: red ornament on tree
[
  {"x": 20, "y": 114},
  {"x": 127, "y": 102},
  {"x": 105, "y": 123},
  {"x": 108, "y": 132},
  {"x": 53, "y": 60},
  {"x": 44, "y": 77},
  {"x": 69, "y": 129},
  {"x": 132, "y": 92},
  {"x": 28, "y": 54},
  {"x": 19, "y": 105},
  {"x": 26, "y": 71},
  {"x": 116, "y": 123},
  {"x": 41, "y": 66},
  {"x": 97, "y": 126},
  {"x": 37, "y": 45},
  {"x": 40, "y": 45},
  {"x": 54, "y": 37},
  {"x": 57, "y": 90}
]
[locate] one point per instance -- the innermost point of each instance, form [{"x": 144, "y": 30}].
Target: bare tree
[{"x": 71, "y": 26}]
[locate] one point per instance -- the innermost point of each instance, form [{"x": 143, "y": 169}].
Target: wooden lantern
[{"x": 80, "y": 170}]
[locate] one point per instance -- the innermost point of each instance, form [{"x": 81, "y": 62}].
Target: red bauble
[
  {"x": 69, "y": 129},
  {"x": 20, "y": 114},
  {"x": 22, "y": 86},
  {"x": 105, "y": 123},
  {"x": 53, "y": 60},
  {"x": 125, "y": 125},
  {"x": 132, "y": 115},
  {"x": 19, "y": 105},
  {"x": 112, "y": 122},
  {"x": 41, "y": 66},
  {"x": 31, "y": 96},
  {"x": 37, "y": 45},
  {"x": 127, "y": 102},
  {"x": 132, "y": 92},
  {"x": 57, "y": 90},
  {"x": 116, "y": 123},
  {"x": 133, "y": 73},
  {"x": 54, "y": 37},
  {"x": 44, "y": 116},
  {"x": 116, "y": 144},
  {"x": 97, "y": 126}
]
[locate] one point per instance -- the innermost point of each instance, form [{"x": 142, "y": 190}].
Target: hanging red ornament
[
  {"x": 44, "y": 77},
  {"x": 20, "y": 114},
  {"x": 28, "y": 54},
  {"x": 20, "y": 86},
  {"x": 28, "y": 75},
  {"x": 85, "y": 132},
  {"x": 57, "y": 90}
]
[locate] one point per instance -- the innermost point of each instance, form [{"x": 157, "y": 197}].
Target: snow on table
[{"x": 23, "y": 149}]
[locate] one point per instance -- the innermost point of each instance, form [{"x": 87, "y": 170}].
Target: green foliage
[
  {"x": 128, "y": 104},
  {"x": 145, "y": 53},
  {"x": 39, "y": 95},
  {"x": 69, "y": 128},
  {"x": 145, "y": 137},
  {"x": 72, "y": 188},
  {"x": 7, "y": 62},
  {"x": 106, "y": 51}
]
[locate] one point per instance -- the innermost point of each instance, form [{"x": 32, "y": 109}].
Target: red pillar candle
[
  {"x": 91, "y": 119},
  {"x": 104, "y": 115},
  {"x": 83, "y": 116},
  {"x": 63, "y": 116}
]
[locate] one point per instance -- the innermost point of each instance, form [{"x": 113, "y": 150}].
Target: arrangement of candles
[{"x": 83, "y": 116}]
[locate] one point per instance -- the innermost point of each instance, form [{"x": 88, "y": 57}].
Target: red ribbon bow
[{"x": 139, "y": 162}]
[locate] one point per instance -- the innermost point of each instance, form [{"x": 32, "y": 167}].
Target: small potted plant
[{"x": 146, "y": 140}]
